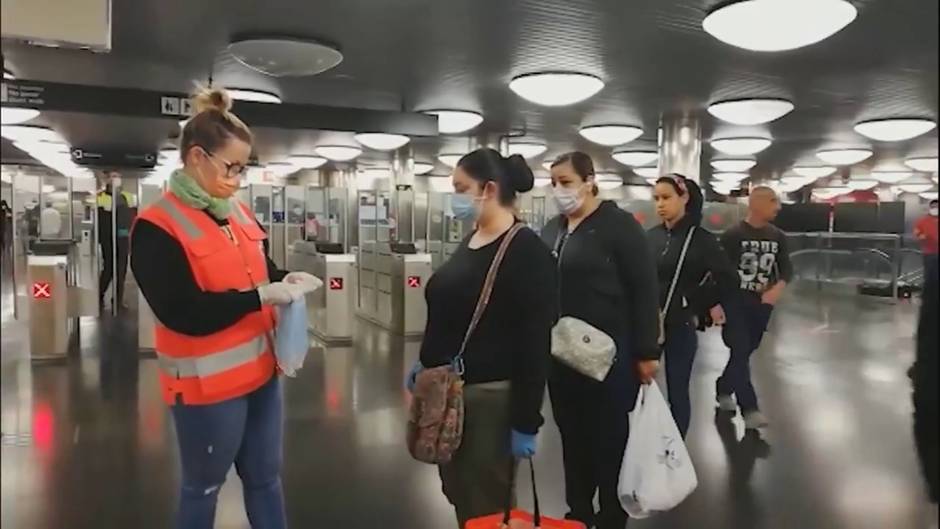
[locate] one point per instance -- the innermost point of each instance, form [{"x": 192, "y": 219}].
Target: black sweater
[
  {"x": 608, "y": 278},
  {"x": 162, "y": 271},
  {"x": 513, "y": 339},
  {"x": 707, "y": 277}
]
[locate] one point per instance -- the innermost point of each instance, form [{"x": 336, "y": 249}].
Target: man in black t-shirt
[{"x": 759, "y": 250}]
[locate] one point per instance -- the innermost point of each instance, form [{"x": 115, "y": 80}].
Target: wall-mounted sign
[{"x": 42, "y": 290}]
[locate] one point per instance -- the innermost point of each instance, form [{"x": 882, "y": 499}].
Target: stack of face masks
[{"x": 292, "y": 339}]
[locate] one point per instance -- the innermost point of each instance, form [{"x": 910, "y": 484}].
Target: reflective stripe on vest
[
  {"x": 169, "y": 207},
  {"x": 239, "y": 212},
  {"x": 215, "y": 363}
]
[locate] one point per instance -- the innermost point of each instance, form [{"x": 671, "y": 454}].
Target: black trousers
[
  {"x": 592, "y": 418},
  {"x": 107, "y": 268}
]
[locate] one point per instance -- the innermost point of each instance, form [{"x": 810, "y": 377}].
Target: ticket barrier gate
[
  {"x": 330, "y": 308},
  {"x": 54, "y": 299},
  {"x": 392, "y": 283}
]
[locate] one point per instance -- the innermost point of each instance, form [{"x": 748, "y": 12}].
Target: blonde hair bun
[{"x": 212, "y": 99}]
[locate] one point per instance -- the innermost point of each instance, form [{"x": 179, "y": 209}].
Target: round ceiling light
[
  {"x": 338, "y": 153},
  {"x": 733, "y": 166},
  {"x": 547, "y": 165},
  {"x": 15, "y": 116},
  {"x": 740, "y": 146},
  {"x": 801, "y": 180},
  {"x": 608, "y": 181},
  {"x": 916, "y": 185},
  {"x": 527, "y": 149},
  {"x": 923, "y": 164},
  {"x": 29, "y": 133},
  {"x": 786, "y": 187},
  {"x": 8, "y": 75},
  {"x": 43, "y": 147},
  {"x": 255, "y": 96},
  {"x": 730, "y": 177},
  {"x": 814, "y": 172},
  {"x": 556, "y": 89},
  {"x": 750, "y": 111},
  {"x": 635, "y": 158},
  {"x": 647, "y": 172},
  {"x": 778, "y": 25},
  {"x": 929, "y": 195},
  {"x": 381, "y": 141},
  {"x": 456, "y": 121},
  {"x": 610, "y": 135},
  {"x": 844, "y": 156},
  {"x": 542, "y": 182},
  {"x": 894, "y": 129},
  {"x": 862, "y": 184},
  {"x": 421, "y": 168},
  {"x": 281, "y": 168},
  {"x": 285, "y": 57},
  {"x": 450, "y": 159},
  {"x": 826, "y": 193},
  {"x": 306, "y": 161},
  {"x": 891, "y": 177}
]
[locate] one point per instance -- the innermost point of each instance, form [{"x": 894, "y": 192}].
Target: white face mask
[
  {"x": 568, "y": 200},
  {"x": 932, "y": 211}
]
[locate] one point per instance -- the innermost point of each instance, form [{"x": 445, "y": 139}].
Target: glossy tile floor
[{"x": 88, "y": 444}]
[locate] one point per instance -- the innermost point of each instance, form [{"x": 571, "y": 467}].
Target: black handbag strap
[
  {"x": 485, "y": 294},
  {"x": 537, "y": 511}
]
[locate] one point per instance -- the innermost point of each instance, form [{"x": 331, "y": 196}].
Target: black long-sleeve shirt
[
  {"x": 162, "y": 271},
  {"x": 513, "y": 339},
  {"x": 608, "y": 278},
  {"x": 760, "y": 255},
  {"x": 707, "y": 277}
]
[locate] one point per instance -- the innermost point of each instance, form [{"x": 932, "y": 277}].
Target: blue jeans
[
  {"x": 247, "y": 431},
  {"x": 680, "y": 348},
  {"x": 747, "y": 323}
]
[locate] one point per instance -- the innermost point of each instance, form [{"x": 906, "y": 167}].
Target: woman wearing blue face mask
[
  {"x": 606, "y": 279},
  {"x": 507, "y": 356}
]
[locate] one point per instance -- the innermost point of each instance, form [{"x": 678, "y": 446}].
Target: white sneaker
[
  {"x": 726, "y": 403},
  {"x": 755, "y": 420}
]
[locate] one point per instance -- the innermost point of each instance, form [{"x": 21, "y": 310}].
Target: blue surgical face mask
[
  {"x": 464, "y": 206},
  {"x": 568, "y": 200}
]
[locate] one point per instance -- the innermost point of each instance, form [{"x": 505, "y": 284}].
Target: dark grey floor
[{"x": 88, "y": 444}]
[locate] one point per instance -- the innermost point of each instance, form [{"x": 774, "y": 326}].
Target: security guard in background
[{"x": 124, "y": 217}]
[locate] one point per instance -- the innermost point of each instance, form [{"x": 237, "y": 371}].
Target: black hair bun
[{"x": 519, "y": 174}]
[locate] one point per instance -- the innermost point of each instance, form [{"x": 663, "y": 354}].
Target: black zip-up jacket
[
  {"x": 607, "y": 278},
  {"x": 707, "y": 277}
]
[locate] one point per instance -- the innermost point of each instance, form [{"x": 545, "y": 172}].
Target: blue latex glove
[
  {"x": 412, "y": 376},
  {"x": 523, "y": 445}
]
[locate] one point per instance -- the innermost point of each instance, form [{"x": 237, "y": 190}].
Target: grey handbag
[
  {"x": 578, "y": 344},
  {"x": 583, "y": 347}
]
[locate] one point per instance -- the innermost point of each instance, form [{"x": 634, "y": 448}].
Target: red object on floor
[{"x": 521, "y": 520}]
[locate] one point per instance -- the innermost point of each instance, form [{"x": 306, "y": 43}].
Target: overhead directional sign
[{"x": 65, "y": 97}]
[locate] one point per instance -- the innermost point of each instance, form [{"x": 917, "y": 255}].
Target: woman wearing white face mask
[
  {"x": 606, "y": 279},
  {"x": 506, "y": 358}
]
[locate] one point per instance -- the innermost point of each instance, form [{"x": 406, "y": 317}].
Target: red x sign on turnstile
[
  {"x": 336, "y": 283},
  {"x": 414, "y": 281},
  {"x": 42, "y": 290}
]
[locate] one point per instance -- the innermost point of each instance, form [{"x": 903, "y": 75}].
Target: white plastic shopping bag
[{"x": 657, "y": 473}]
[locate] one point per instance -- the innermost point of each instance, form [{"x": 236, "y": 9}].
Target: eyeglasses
[{"x": 232, "y": 169}]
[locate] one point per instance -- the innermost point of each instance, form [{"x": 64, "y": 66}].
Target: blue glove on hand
[
  {"x": 412, "y": 376},
  {"x": 523, "y": 445}
]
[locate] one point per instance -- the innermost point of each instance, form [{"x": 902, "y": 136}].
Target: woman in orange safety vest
[{"x": 199, "y": 258}]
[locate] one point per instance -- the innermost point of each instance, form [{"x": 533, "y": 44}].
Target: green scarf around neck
[{"x": 188, "y": 191}]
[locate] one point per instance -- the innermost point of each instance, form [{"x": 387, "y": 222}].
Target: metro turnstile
[
  {"x": 48, "y": 295},
  {"x": 391, "y": 289},
  {"x": 330, "y": 308}
]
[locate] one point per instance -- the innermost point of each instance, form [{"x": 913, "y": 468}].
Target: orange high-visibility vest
[{"x": 234, "y": 361}]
